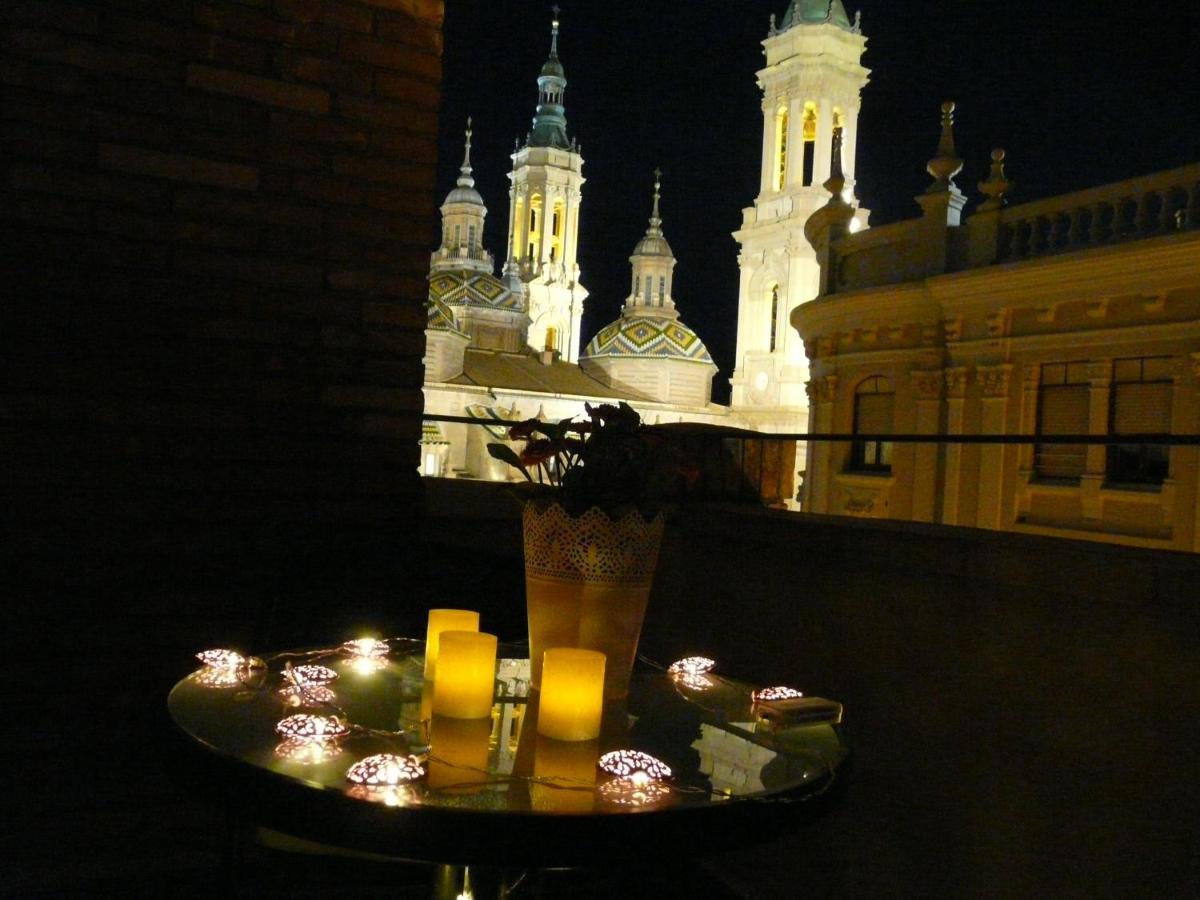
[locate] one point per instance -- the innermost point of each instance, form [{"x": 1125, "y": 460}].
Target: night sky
[{"x": 1076, "y": 96}]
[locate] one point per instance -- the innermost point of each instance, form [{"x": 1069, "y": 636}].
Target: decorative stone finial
[
  {"x": 464, "y": 177},
  {"x": 857, "y": 29},
  {"x": 996, "y": 185},
  {"x": 655, "y": 220},
  {"x": 554, "y": 32},
  {"x": 836, "y": 182},
  {"x": 946, "y": 164},
  {"x": 771, "y": 28}
]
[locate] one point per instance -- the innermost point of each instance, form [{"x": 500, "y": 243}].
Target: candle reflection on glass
[
  {"x": 572, "y": 694},
  {"x": 465, "y": 683},
  {"x": 564, "y": 775},
  {"x": 458, "y": 754},
  {"x": 445, "y": 620}
]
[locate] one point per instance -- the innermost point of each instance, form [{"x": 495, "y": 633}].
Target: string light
[
  {"x": 303, "y": 726},
  {"x": 367, "y": 648},
  {"x": 385, "y": 770},
  {"x": 691, "y": 665},
  {"x": 634, "y": 765},
  {"x": 302, "y": 676},
  {"x": 775, "y": 693},
  {"x": 308, "y": 695},
  {"x": 221, "y": 659},
  {"x": 213, "y": 677}
]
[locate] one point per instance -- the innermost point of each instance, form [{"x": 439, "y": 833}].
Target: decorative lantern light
[
  {"x": 303, "y": 676},
  {"x": 314, "y": 729},
  {"x": 691, "y": 665},
  {"x": 221, "y": 659},
  {"x": 385, "y": 770},
  {"x": 775, "y": 693},
  {"x": 309, "y": 695},
  {"x": 635, "y": 766},
  {"x": 388, "y": 795},
  {"x": 624, "y": 792}
]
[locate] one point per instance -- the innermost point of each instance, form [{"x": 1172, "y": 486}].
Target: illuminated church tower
[
  {"x": 543, "y": 228},
  {"x": 812, "y": 81}
]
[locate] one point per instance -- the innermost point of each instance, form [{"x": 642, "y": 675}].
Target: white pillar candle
[
  {"x": 465, "y": 684},
  {"x": 445, "y": 620},
  {"x": 572, "y": 694}
]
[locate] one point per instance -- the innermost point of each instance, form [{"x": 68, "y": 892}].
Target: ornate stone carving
[
  {"x": 826, "y": 388},
  {"x": 956, "y": 379},
  {"x": 998, "y": 323},
  {"x": 927, "y": 383},
  {"x": 826, "y": 345},
  {"x": 995, "y": 379},
  {"x": 952, "y": 329}
]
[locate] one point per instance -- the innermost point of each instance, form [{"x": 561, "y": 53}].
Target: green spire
[
  {"x": 550, "y": 122},
  {"x": 814, "y": 12}
]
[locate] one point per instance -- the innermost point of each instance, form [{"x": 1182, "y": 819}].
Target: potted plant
[{"x": 592, "y": 526}]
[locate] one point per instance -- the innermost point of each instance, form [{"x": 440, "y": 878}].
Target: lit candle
[
  {"x": 572, "y": 695},
  {"x": 445, "y": 620},
  {"x": 465, "y": 684}
]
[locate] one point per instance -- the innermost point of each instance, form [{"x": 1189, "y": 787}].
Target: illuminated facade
[
  {"x": 543, "y": 227},
  {"x": 1073, "y": 315},
  {"x": 812, "y": 81}
]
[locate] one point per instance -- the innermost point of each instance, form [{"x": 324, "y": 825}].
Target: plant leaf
[{"x": 506, "y": 454}]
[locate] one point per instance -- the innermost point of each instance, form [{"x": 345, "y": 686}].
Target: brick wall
[{"x": 215, "y": 222}]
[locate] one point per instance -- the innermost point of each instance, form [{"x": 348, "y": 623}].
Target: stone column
[
  {"x": 1100, "y": 379},
  {"x": 820, "y": 472},
  {"x": 795, "y": 143},
  {"x": 927, "y": 394},
  {"x": 768, "y": 154},
  {"x": 850, "y": 145},
  {"x": 955, "y": 379},
  {"x": 992, "y": 502}
]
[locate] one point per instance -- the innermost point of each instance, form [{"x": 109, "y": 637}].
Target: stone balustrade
[{"x": 1128, "y": 210}]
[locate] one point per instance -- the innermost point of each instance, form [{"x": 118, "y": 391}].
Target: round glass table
[{"x": 493, "y": 792}]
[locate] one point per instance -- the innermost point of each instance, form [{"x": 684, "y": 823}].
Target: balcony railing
[{"x": 1128, "y": 210}]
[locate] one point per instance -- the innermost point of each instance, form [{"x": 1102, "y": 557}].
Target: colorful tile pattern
[
  {"x": 473, "y": 289},
  {"x": 648, "y": 336}
]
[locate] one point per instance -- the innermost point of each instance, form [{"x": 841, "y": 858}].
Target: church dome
[
  {"x": 653, "y": 245},
  {"x": 813, "y": 12},
  {"x": 648, "y": 337},
  {"x": 478, "y": 289},
  {"x": 465, "y": 194},
  {"x": 439, "y": 317}
]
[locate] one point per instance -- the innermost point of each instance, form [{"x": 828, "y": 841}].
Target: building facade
[{"x": 1073, "y": 315}]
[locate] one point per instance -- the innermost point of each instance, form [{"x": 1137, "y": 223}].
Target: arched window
[
  {"x": 662, "y": 290},
  {"x": 471, "y": 238},
  {"x": 535, "y": 226},
  {"x": 874, "y": 399},
  {"x": 781, "y": 143},
  {"x": 774, "y": 317},
  {"x": 647, "y": 291},
  {"x": 809, "y": 133}
]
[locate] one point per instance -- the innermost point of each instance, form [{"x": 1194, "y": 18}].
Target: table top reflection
[{"x": 494, "y": 788}]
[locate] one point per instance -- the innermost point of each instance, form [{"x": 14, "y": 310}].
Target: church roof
[
  {"x": 469, "y": 288},
  {"x": 526, "y": 372},
  {"x": 439, "y": 317},
  {"x": 648, "y": 337},
  {"x": 812, "y": 12}
]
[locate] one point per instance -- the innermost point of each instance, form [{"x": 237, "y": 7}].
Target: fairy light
[
  {"x": 775, "y": 693},
  {"x": 387, "y": 795},
  {"x": 691, "y": 665},
  {"x": 307, "y": 695},
  {"x": 385, "y": 770},
  {"x": 625, "y": 792},
  {"x": 367, "y": 648},
  {"x": 302, "y": 676},
  {"x": 305, "y": 727},
  {"x": 694, "y": 682},
  {"x": 634, "y": 765}
]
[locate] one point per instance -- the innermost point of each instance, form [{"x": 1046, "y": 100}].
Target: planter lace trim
[{"x": 592, "y": 547}]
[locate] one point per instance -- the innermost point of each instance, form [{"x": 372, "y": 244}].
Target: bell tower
[
  {"x": 543, "y": 219},
  {"x": 811, "y": 84}
]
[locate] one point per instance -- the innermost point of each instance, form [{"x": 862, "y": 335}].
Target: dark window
[
  {"x": 1063, "y": 396},
  {"x": 774, "y": 316},
  {"x": 1140, "y": 403},
  {"x": 873, "y": 401}
]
